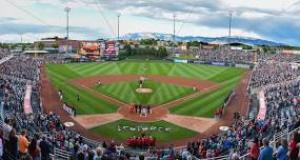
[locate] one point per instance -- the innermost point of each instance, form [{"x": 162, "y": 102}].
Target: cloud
[
  {"x": 11, "y": 25},
  {"x": 270, "y": 19}
]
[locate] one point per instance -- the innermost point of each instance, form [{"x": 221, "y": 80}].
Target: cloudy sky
[{"x": 276, "y": 20}]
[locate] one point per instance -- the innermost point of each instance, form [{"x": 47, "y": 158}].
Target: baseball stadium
[
  {"x": 112, "y": 100},
  {"x": 158, "y": 82}
]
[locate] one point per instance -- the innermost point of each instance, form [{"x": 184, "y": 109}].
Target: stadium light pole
[
  {"x": 67, "y": 10},
  {"x": 229, "y": 26},
  {"x": 119, "y": 26},
  {"x": 174, "y": 29},
  {"x": 174, "y": 32},
  {"x": 21, "y": 36}
]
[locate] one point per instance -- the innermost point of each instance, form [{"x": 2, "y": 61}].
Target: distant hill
[{"x": 218, "y": 40}]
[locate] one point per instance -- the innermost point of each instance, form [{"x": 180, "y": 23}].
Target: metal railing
[
  {"x": 91, "y": 142},
  {"x": 60, "y": 154},
  {"x": 284, "y": 134}
]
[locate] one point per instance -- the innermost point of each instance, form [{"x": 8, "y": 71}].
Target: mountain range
[{"x": 217, "y": 40}]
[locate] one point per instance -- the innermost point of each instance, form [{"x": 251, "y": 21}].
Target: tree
[
  {"x": 40, "y": 45},
  {"x": 128, "y": 50},
  {"x": 23, "y": 47},
  {"x": 55, "y": 45},
  {"x": 149, "y": 42},
  {"x": 147, "y": 51}
]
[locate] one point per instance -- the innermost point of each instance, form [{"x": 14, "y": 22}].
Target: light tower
[
  {"x": 21, "y": 37},
  {"x": 229, "y": 26},
  {"x": 119, "y": 26},
  {"x": 174, "y": 29},
  {"x": 174, "y": 33},
  {"x": 67, "y": 10}
]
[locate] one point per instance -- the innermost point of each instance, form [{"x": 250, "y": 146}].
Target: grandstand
[
  {"x": 274, "y": 84},
  {"x": 163, "y": 97}
]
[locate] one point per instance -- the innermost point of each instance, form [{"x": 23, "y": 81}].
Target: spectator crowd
[
  {"x": 226, "y": 55},
  {"x": 36, "y": 136}
]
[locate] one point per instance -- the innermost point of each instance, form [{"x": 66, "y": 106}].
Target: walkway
[{"x": 6, "y": 58}]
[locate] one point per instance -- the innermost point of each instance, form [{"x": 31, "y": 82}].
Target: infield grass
[{"x": 161, "y": 92}]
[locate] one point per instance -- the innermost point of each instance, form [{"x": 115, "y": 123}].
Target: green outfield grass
[
  {"x": 205, "y": 105},
  {"x": 161, "y": 92},
  {"x": 88, "y": 104},
  {"x": 163, "y": 136}
]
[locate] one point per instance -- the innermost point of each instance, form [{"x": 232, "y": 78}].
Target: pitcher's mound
[{"x": 143, "y": 90}]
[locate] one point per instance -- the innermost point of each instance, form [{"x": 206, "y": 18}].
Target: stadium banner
[
  {"x": 69, "y": 110},
  {"x": 246, "y": 66},
  {"x": 65, "y": 49},
  {"x": 111, "y": 49},
  {"x": 229, "y": 64},
  {"x": 199, "y": 62},
  {"x": 89, "y": 48},
  {"x": 27, "y": 100},
  {"x": 218, "y": 63},
  {"x": 180, "y": 61},
  {"x": 190, "y": 61}
]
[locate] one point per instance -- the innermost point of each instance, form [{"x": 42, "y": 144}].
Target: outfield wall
[{"x": 216, "y": 63}]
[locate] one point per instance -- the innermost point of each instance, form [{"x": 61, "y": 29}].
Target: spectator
[
  {"x": 45, "y": 149},
  {"x": 23, "y": 144},
  {"x": 12, "y": 146},
  {"x": 294, "y": 150},
  {"x": 6, "y": 129},
  {"x": 1, "y": 144},
  {"x": 34, "y": 150},
  {"x": 98, "y": 154},
  {"x": 282, "y": 151},
  {"x": 266, "y": 152},
  {"x": 254, "y": 150}
]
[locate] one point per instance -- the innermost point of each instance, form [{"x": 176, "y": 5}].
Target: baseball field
[{"x": 183, "y": 90}]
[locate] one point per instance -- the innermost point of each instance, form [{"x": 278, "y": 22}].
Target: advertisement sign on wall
[
  {"x": 110, "y": 49},
  {"x": 218, "y": 63},
  {"x": 180, "y": 61}
]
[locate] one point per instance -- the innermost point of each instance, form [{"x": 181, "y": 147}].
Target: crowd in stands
[
  {"x": 283, "y": 57},
  {"x": 270, "y": 72},
  {"x": 4, "y": 53},
  {"x": 278, "y": 76},
  {"x": 35, "y": 136},
  {"x": 22, "y": 67},
  {"x": 283, "y": 101},
  {"x": 226, "y": 55}
]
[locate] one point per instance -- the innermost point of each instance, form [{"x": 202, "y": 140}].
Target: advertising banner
[
  {"x": 242, "y": 66},
  {"x": 110, "y": 49},
  {"x": 218, "y": 63},
  {"x": 89, "y": 48},
  {"x": 180, "y": 61}
]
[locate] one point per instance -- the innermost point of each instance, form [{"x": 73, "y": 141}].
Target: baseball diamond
[
  {"x": 149, "y": 80},
  {"x": 188, "y": 92}
]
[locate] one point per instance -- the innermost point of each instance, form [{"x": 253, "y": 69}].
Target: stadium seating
[{"x": 276, "y": 77}]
